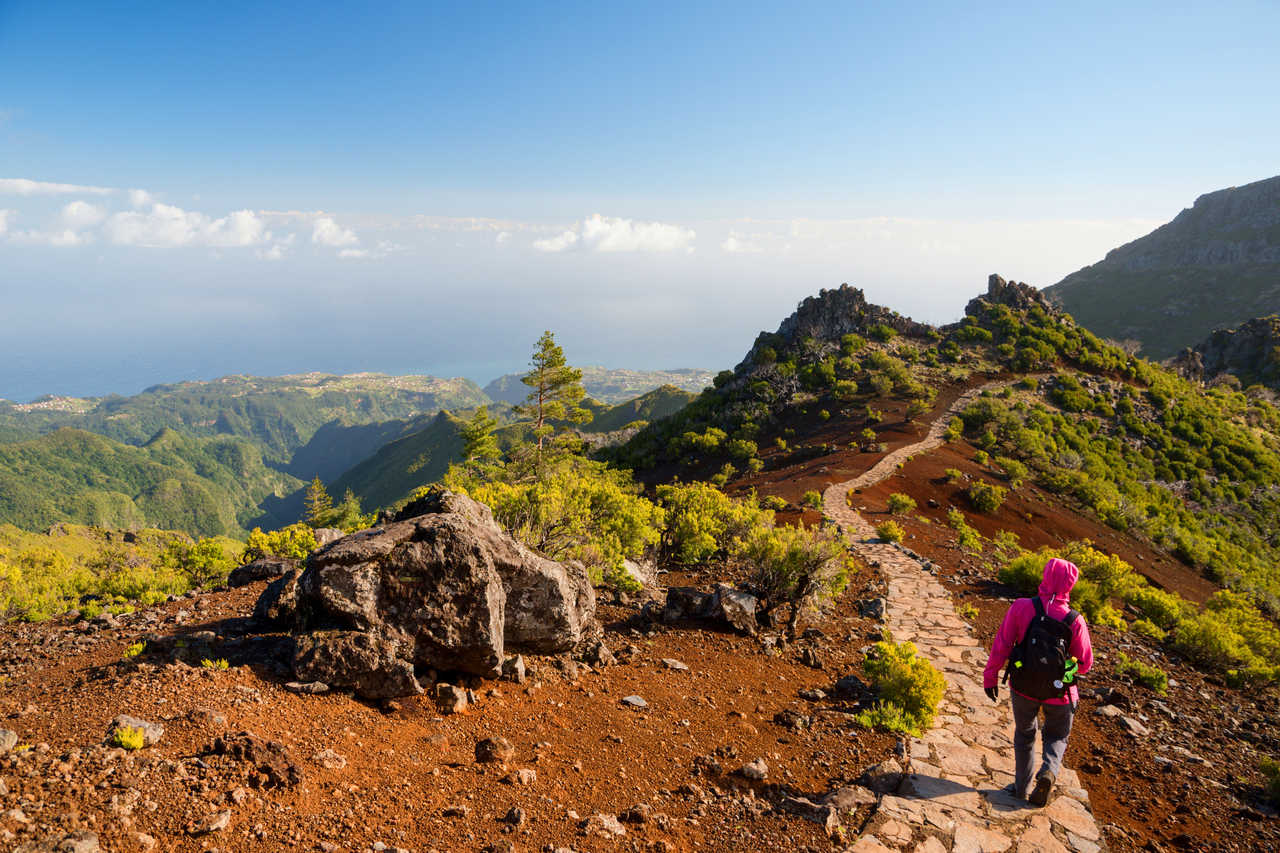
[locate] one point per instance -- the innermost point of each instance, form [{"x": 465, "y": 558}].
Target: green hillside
[
  {"x": 1217, "y": 264},
  {"x": 608, "y": 386},
  {"x": 201, "y": 486},
  {"x": 279, "y": 414},
  {"x": 656, "y": 404}
]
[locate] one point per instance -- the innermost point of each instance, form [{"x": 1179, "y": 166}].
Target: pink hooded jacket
[{"x": 1055, "y": 591}]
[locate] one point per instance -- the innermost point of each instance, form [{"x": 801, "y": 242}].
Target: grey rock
[
  {"x": 307, "y": 688},
  {"x": 214, "y": 823},
  {"x": 494, "y": 750},
  {"x": 513, "y": 669},
  {"x": 372, "y": 665},
  {"x": 735, "y": 607},
  {"x": 277, "y": 607},
  {"x": 151, "y": 732},
  {"x": 684, "y": 602},
  {"x": 603, "y": 826},
  {"x": 447, "y": 590},
  {"x": 327, "y": 536},
  {"x": 82, "y": 841},
  {"x": 636, "y": 702},
  {"x": 672, "y": 663},
  {"x": 883, "y": 777},
  {"x": 261, "y": 569},
  {"x": 756, "y": 770},
  {"x": 8, "y": 740},
  {"x": 822, "y": 814},
  {"x": 450, "y": 699},
  {"x": 871, "y": 608}
]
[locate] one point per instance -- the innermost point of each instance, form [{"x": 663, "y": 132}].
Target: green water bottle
[{"x": 1073, "y": 667}]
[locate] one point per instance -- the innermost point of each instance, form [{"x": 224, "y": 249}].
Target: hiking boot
[
  {"x": 1012, "y": 790},
  {"x": 1040, "y": 794}
]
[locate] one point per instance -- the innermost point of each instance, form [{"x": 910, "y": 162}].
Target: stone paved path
[{"x": 950, "y": 799}]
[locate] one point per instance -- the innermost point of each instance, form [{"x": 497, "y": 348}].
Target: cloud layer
[{"x": 614, "y": 234}]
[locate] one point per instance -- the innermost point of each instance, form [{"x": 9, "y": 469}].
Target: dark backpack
[{"x": 1038, "y": 664}]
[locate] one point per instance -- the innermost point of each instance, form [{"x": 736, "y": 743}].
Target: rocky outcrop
[
  {"x": 1250, "y": 352},
  {"x": 440, "y": 587},
  {"x": 1015, "y": 294}
]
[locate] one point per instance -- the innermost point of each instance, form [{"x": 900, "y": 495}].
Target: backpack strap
[
  {"x": 1035, "y": 599},
  {"x": 1069, "y": 618}
]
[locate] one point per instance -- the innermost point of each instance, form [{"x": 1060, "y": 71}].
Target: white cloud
[
  {"x": 81, "y": 214},
  {"x": 4, "y": 220},
  {"x": 557, "y": 244},
  {"x": 167, "y": 226},
  {"x": 614, "y": 234},
  {"x": 25, "y": 186},
  {"x": 384, "y": 248},
  {"x": 66, "y": 238},
  {"x": 737, "y": 243},
  {"x": 326, "y": 232},
  {"x": 611, "y": 234},
  {"x": 140, "y": 198}
]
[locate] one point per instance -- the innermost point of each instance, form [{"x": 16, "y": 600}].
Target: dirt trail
[{"x": 951, "y": 797}]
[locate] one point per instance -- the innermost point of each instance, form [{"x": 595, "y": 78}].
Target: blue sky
[{"x": 425, "y": 187}]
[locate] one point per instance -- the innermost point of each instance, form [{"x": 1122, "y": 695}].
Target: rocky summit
[{"x": 444, "y": 590}]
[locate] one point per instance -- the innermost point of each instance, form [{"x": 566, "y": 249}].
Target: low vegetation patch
[
  {"x": 908, "y": 689},
  {"x": 1151, "y": 677},
  {"x": 901, "y": 504},
  {"x": 890, "y": 531}
]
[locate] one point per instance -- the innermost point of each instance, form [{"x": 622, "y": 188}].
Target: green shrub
[
  {"x": 1271, "y": 772},
  {"x": 134, "y": 650},
  {"x": 128, "y": 737},
  {"x": 773, "y": 502},
  {"x": 874, "y": 416},
  {"x": 986, "y": 497},
  {"x": 882, "y": 385},
  {"x": 890, "y": 531},
  {"x": 218, "y": 664},
  {"x": 953, "y": 474},
  {"x": 588, "y": 513},
  {"x": 293, "y": 542},
  {"x": 907, "y": 686},
  {"x": 1149, "y": 629},
  {"x": 901, "y": 504},
  {"x": 967, "y": 611},
  {"x": 796, "y": 566},
  {"x": 955, "y": 429},
  {"x": 1023, "y": 572},
  {"x": 982, "y": 457},
  {"x": 882, "y": 332},
  {"x": 812, "y": 499},
  {"x": 1148, "y": 676},
  {"x": 844, "y": 390},
  {"x": 702, "y": 521}
]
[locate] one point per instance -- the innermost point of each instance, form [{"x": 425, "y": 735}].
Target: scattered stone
[
  {"x": 848, "y": 798},
  {"x": 515, "y": 816},
  {"x": 872, "y": 608},
  {"x": 603, "y": 826},
  {"x": 497, "y": 750},
  {"x": 1133, "y": 727},
  {"x": 636, "y": 702},
  {"x": 8, "y": 740},
  {"x": 810, "y": 658},
  {"x": 638, "y": 813},
  {"x": 450, "y": 699},
  {"x": 460, "y": 810},
  {"x": 270, "y": 764},
  {"x": 329, "y": 759},
  {"x": 523, "y": 776},
  {"x": 513, "y": 669},
  {"x": 883, "y": 777},
  {"x": 735, "y": 607},
  {"x": 151, "y": 732},
  {"x": 813, "y": 695},
  {"x": 756, "y": 770},
  {"x": 822, "y": 814},
  {"x": 214, "y": 823},
  {"x": 207, "y": 717},
  {"x": 672, "y": 663},
  {"x": 851, "y": 687},
  {"x": 277, "y": 607},
  {"x": 307, "y": 688}
]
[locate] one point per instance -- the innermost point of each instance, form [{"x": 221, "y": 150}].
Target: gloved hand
[{"x": 993, "y": 693}]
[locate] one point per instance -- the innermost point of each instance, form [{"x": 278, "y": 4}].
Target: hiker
[{"x": 1046, "y": 645}]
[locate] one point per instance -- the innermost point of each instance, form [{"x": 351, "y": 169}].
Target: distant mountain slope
[
  {"x": 1250, "y": 352},
  {"x": 1216, "y": 264},
  {"x": 657, "y": 404},
  {"x": 279, "y": 414},
  {"x": 201, "y": 486},
  {"x": 609, "y": 386}
]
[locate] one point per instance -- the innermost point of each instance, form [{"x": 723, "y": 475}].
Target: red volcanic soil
[{"x": 410, "y": 778}]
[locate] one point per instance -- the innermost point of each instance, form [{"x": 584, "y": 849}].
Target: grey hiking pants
[{"x": 1053, "y": 734}]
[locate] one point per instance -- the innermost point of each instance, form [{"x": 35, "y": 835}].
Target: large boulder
[
  {"x": 261, "y": 569},
  {"x": 446, "y": 590},
  {"x": 277, "y": 607}
]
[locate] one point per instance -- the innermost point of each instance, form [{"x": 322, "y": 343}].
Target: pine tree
[
  {"x": 556, "y": 390},
  {"x": 317, "y": 501},
  {"x": 479, "y": 446}
]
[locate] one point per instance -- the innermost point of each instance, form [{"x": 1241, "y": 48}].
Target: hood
[{"x": 1059, "y": 577}]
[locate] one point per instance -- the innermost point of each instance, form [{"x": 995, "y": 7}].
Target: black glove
[{"x": 993, "y": 693}]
